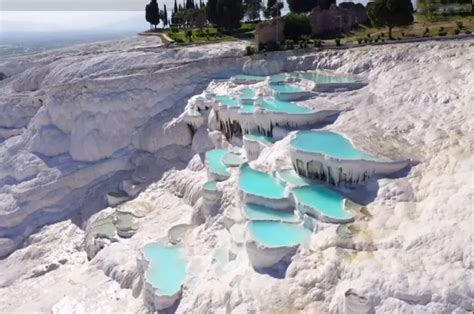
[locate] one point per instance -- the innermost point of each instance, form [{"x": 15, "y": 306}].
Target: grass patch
[{"x": 209, "y": 34}]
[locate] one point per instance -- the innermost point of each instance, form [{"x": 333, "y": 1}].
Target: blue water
[
  {"x": 257, "y": 212},
  {"x": 259, "y": 137},
  {"x": 290, "y": 176},
  {"x": 285, "y": 88},
  {"x": 247, "y": 108},
  {"x": 254, "y": 78},
  {"x": 210, "y": 186},
  {"x": 276, "y": 105},
  {"x": 167, "y": 269},
  {"x": 329, "y": 143},
  {"x": 259, "y": 183},
  {"x": 322, "y": 199},
  {"x": 228, "y": 101},
  {"x": 276, "y": 234},
  {"x": 278, "y": 78},
  {"x": 214, "y": 161},
  {"x": 248, "y": 93},
  {"x": 326, "y": 79}
]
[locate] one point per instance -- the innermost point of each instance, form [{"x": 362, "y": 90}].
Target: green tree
[
  {"x": 273, "y": 9},
  {"x": 252, "y": 9},
  {"x": 225, "y": 13},
  {"x": 296, "y": 25},
  {"x": 391, "y": 13},
  {"x": 152, "y": 14},
  {"x": 301, "y": 6},
  {"x": 165, "y": 16}
]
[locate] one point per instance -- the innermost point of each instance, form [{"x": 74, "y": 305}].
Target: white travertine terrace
[
  {"x": 101, "y": 120},
  {"x": 338, "y": 171}
]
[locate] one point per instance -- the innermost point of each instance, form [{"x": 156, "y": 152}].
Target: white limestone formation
[{"x": 75, "y": 123}]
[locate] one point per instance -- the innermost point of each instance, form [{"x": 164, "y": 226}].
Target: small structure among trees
[{"x": 390, "y": 13}]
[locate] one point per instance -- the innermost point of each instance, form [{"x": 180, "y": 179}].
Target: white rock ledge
[
  {"x": 316, "y": 213},
  {"x": 338, "y": 171},
  {"x": 284, "y": 203},
  {"x": 262, "y": 257}
]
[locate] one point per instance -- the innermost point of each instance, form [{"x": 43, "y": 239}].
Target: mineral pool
[
  {"x": 258, "y": 212},
  {"x": 286, "y": 88},
  {"x": 323, "y": 200},
  {"x": 328, "y": 143},
  {"x": 167, "y": 269},
  {"x": 260, "y": 183},
  {"x": 276, "y": 105},
  {"x": 278, "y": 234},
  {"x": 210, "y": 186},
  {"x": 228, "y": 101},
  {"x": 259, "y": 138},
  {"x": 214, "y": 161},
  {"x": 291, "y": 177},
  {"x": 250, "y": 78}
]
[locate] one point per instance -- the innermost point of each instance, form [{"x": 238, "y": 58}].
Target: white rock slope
[{"x": 77, "y": 122}]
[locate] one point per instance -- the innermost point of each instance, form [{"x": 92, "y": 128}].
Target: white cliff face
[{"x": 79, "y": 122}]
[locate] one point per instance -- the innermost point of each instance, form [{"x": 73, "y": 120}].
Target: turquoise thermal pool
[
  {"x": 247, "y": 108},
  {"x": 167, "y": 269},
  {"x": 228, "y": 101},
  {"x": 258, "y": 212},
  {"x": 324, "y": 200},
  {"x": 278, "y": 234},
  {"x": 260, "y": 138},
  {"x": 285, "y": 88},
  {"x": 248, "y": 93},
  {"x": 214, "y": 161},
  {"x": 326, "y": 79},
  {"x": 259, "y": 183},
  {"x": 250, "y": 78},
  {"x": 276, "y": 105},
  {"x": 328, "y": 143},
  {"x": 210, "y": 186},
  {"x": 291, "y": 177}
]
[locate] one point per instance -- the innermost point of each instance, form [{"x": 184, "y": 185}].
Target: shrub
[
  {"x": 179, "y": 40},
  {"x": 457, "y": 31},
  {"x": 427, "y": 32},
  {"x": 289, "y": 44},
  {"x": 359, "y": 41},
  {"x": 403, "y": 34},
  {"x": 174, "y": 29},
  {"x": 249, "y": 50},
  {"x": 383, "y": 40},
  {"x": 366, "y": 40},
  {"x": 272, "y": 46},
  {"x": 337, "y": 41},
  {"x": 468, "y": 32},
  {"x": 383, "y": 34},
  {"x": 296, "y": 25},
  {"x": 442, "y": 31},
  {"x": 317, "y": 43},
  {"x": 303, "y": 43},
  {"x": 459, "y": 24},
  {"x": 376, "y": 40},
  {"x": 368, "y": 35},
  {"x": 189, "y": 34}
]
